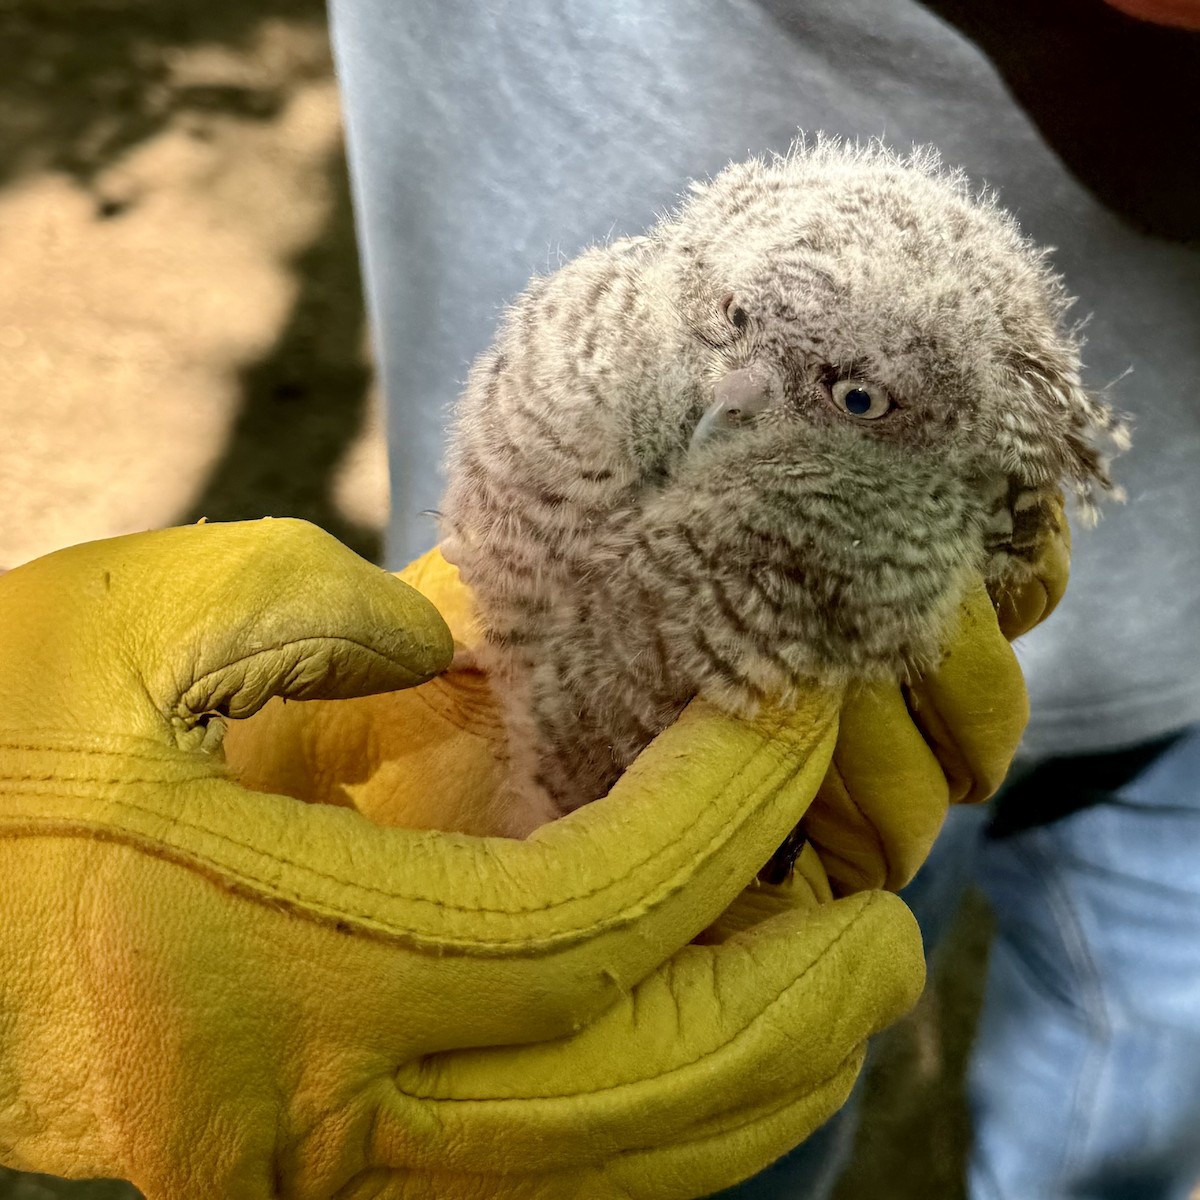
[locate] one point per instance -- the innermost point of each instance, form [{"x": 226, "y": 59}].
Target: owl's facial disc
[{"x": 737, "y": 400}]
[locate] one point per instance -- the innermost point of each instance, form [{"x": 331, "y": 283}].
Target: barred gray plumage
[{"x": 766, "y": 443}]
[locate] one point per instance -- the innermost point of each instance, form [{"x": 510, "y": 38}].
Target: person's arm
[{"x": 1183, "y": 14}]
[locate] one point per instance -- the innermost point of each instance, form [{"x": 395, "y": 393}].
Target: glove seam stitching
[{"x": 307, "y": 906}]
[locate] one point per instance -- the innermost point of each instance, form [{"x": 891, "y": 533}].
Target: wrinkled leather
[{"x": 212, "y": 989}]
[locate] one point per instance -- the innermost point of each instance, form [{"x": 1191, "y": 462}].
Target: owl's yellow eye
[{"x": 866, "y": 401}]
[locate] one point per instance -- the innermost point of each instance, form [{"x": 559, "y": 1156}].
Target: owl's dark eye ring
[
  {"x": 735, "y": 314},
  {"x": 859, "y": 399}
]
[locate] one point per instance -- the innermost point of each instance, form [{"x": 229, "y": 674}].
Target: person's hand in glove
[
  {"x": 215, "y": 991},
  {"x": 905, "y": 754}
]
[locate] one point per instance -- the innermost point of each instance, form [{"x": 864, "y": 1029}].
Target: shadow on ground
[
  {"x": 301, "y": 407},
  {"x": 83, "y": 83}
]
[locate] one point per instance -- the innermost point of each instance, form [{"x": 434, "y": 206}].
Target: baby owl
[{"x": 766, "y": 443}]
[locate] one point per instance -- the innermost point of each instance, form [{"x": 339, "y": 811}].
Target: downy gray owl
[{"x": 766, "y": 443}]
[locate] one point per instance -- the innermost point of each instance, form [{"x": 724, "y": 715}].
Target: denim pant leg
[
  {"x": 1085, "y": 1079},
  {"x": 811, "y": 1171}
]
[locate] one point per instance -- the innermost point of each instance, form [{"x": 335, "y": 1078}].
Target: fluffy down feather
[{"x": 763, "y": 444}]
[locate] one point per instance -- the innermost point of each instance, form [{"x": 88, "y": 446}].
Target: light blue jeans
[{"x": 1085, "y": 1075}]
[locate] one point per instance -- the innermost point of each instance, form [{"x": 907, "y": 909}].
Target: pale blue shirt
[{"x": 490, "y": 140}]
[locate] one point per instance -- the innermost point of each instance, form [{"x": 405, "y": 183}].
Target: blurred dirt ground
[
  {"x": 181, "y": 331},
  {"x": 181, "y": 335}
]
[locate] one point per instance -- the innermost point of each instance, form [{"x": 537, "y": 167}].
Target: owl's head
[{"x": 846, "y": 285}]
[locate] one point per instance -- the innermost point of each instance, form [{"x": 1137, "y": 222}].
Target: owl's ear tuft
[{"x": 1079, "y": 434}]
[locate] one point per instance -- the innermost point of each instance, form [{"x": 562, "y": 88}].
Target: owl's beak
[{"x": 737, "y": 400}]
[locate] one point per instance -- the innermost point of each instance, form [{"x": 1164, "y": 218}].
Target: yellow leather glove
[
  {"x": 216, "y": 991},
  {"x": 432, "y": 758},
  {"x": 905, "y": 754}
]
